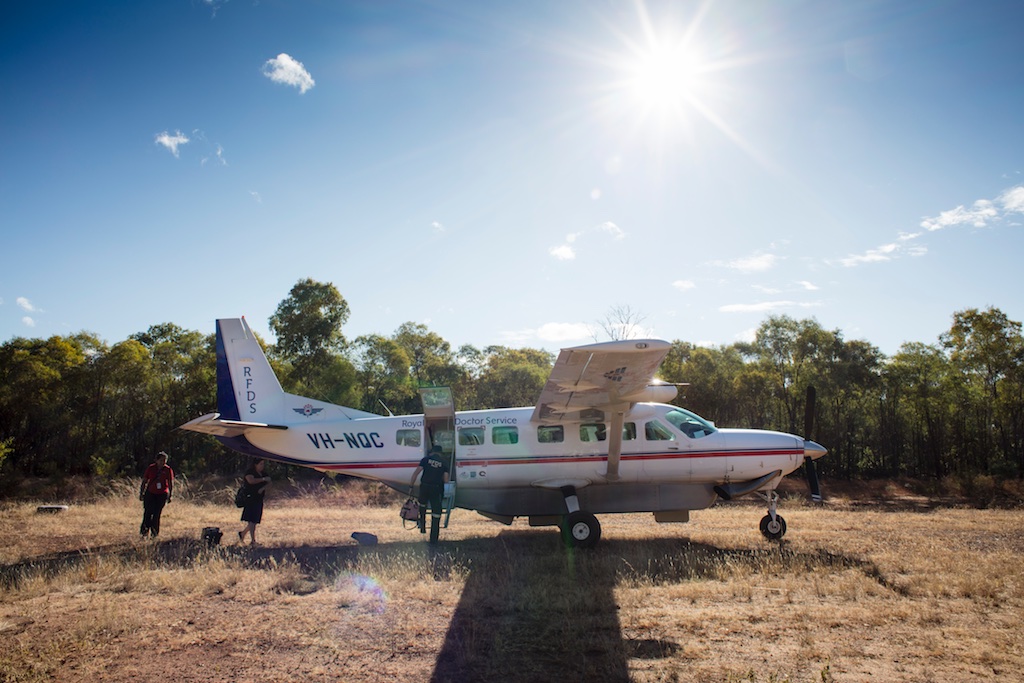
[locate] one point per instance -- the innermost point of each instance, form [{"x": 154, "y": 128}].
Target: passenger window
[
  {"x": 408, "y": 437},
  {"x": 505, "y": 435},
  {"x": 629, "y": 431},
  {"x": 593, "y": 432},
  {"x": 655, "y": 431},
  {"x": 471, "y": 436},
  {"x": 550, "y": 434}
]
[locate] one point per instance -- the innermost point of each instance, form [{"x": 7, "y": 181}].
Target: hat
[{"x": 435, "y": 449}]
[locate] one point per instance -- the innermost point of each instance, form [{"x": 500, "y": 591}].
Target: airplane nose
[{"x": 814, "y": 450}]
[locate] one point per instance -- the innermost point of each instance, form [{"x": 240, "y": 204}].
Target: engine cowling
[{"x": 653, "y": 393}]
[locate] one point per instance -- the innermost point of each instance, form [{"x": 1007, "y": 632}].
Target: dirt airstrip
[{"x": 907, "y": 592}]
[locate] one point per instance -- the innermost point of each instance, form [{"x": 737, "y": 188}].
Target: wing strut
[{"x": 618, "y": 416}]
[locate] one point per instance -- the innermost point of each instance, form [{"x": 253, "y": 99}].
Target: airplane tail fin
[{"x": 247, "y": 388}]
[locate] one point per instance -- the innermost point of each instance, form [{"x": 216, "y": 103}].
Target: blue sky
[{"x": 508, "y": 172}]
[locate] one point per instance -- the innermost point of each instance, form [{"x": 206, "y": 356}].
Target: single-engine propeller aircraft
[{"x": 601, "y": 439}]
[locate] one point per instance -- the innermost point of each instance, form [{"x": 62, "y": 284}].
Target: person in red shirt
[{"x": 155, "y": 492}]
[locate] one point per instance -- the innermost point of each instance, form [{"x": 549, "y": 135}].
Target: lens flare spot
[{"x": 361, "y": 592}]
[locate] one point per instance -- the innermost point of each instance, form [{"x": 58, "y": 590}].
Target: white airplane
[{"x": 594, "y": 443}]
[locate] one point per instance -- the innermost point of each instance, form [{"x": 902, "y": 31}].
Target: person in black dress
[{"x": 256, "y": 482}]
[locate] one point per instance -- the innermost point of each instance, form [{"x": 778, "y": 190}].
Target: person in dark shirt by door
[
  {"x": 155, "y": 492},
  {"x": 435, "y": 475}
]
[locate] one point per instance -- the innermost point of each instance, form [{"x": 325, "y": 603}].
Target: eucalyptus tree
[
  {"x": 917, "y": 411},
  {"x": 37, "y": 382},
  {"x": 711, "y": 375},
  {"x": 307, "y": 324},
  {"x": 433, "y": 363},
  {"x": 382, "y": 366},
  {"x": 129, "y": 407},
  {"x": 512, "y": 377},
  {"x": 785, "y": 350},
  {"x": 986, "y": 350}
]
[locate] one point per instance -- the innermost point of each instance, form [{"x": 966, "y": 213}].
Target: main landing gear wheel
[
  {"x": 773, "y": 529},
  {"x": 581, "y": 530}
]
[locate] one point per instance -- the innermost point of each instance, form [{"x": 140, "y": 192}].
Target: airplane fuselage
[{"x": 503, "y": 450}]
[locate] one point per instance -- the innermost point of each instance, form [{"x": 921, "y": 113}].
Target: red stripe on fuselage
[{"x": 557, "y": 459}]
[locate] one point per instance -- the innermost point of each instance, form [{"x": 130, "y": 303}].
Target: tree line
[{"x": 75, "y": 405}]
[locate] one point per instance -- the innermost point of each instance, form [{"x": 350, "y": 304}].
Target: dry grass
[{"x": 853, "y": 594}]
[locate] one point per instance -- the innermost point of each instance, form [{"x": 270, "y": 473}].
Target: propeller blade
[
  {"x": 812, "y": 479},
  {"x": 809, "y": 467},
  {"x": 812, "y": 394}
]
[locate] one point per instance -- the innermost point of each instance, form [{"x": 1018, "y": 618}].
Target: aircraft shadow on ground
[{"x": 531, "y": 609}]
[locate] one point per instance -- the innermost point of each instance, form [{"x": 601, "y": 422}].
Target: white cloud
[
  {"x": 809, "y": 286},
  {"x": 748, "y": 335},
  {"x": 753, "y": 264},
  {"x": 978, "y": 216},
  {"x": 25, "y": 304},
  {"x": 172, "y": 142},
  {"x": 1012, "y": 200},
  {"x": 437, "y": 227},
  {"x": 256, "y": 195},
  {"x": 28, "y": 322},
  {"x": 214, "y": 5},
  {"x": 555, "y": 333},
  {"x": 218, "y": 155},
  {"x": 886, "y": 252},
  {"x": 763, "y": 306},
  {"x": 287, "y": 70},
  {"x": 563, "y": 332},
  {"x": 684, "y": 285},
  {"x": 613, "y": 230},
  {"x": 563, "y": 252}
]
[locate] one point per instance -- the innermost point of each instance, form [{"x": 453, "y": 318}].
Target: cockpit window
[
  {"x": 655, "y": 431},
  {"x": 689, "y": 423}
]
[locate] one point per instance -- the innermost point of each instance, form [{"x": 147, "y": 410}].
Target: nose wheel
[
  {"x": 773, "y": 529},
  {"x": 773, "y": 526}
]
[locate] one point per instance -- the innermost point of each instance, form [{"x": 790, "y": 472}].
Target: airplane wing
[
  {"x": 600, "y": 377},
  {"x": 602, "y": 380}
]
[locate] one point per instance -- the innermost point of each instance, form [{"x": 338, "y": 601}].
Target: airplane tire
[
  {"x": 771, "y": 531},
  {"x": 581, "y": 530}
]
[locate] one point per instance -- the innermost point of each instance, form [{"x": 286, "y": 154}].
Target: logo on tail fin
[{"x": 307, "y": 410}]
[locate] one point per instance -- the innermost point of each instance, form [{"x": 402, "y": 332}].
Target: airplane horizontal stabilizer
[{"x": 212, "y": 424}]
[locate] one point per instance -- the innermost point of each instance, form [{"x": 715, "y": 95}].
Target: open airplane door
[{"x": 439, "y": 430}]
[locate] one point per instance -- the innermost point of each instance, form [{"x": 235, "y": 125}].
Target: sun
[
  {"x": 673, "y": 79},
  {"x": 666, "y": 77}
]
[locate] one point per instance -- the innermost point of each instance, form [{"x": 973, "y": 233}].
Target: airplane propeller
[{"x": 811, "y": 449}]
